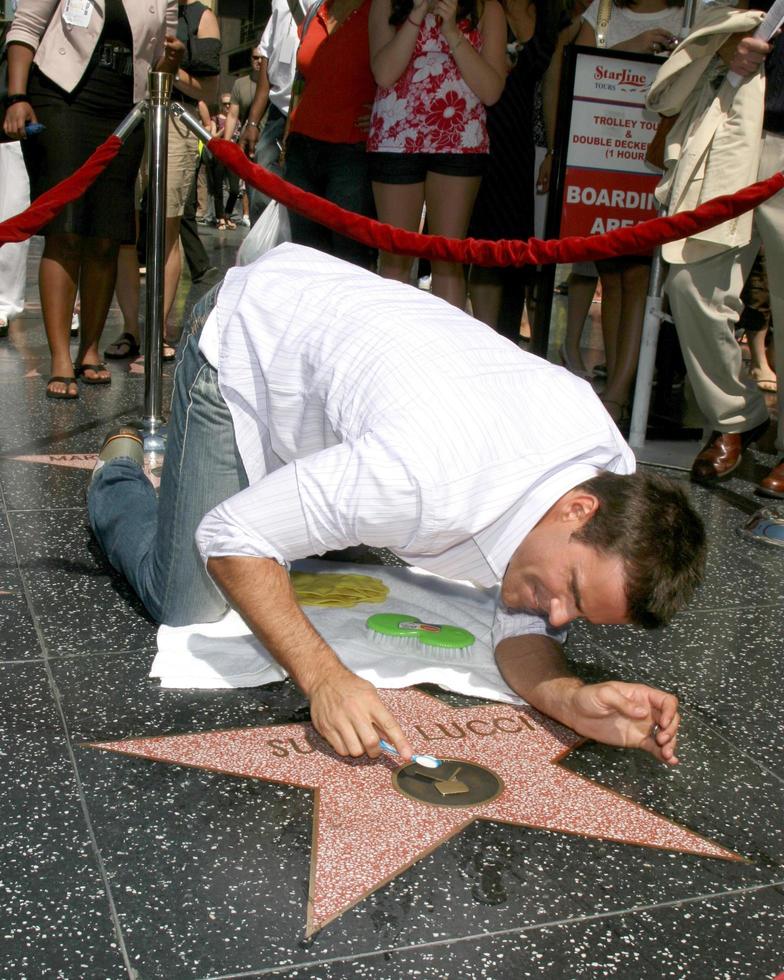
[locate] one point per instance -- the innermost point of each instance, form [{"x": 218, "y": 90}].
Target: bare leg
[
  {"x": 96, "y": 287},
  {"x": 611, "y": 315},
  {"x": 485, "y": 289},
  {"x": 172, "y": 270},
  {"x": 57, "y": 278},
  {"x": 450, "y": 201},
  {"x": 578, "y": 306},
  {"x": 759, "y": 366},
  {"x": 634, "y": 285},
  {"x": 127, "y": 288},
  {"x": 399, "y": 205}
]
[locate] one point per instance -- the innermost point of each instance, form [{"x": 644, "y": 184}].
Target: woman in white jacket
[{"x": 78, "y": 69}]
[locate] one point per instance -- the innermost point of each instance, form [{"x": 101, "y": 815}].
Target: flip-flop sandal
[
  {"x": 100, "y": 366},
  {"x": 63, "y": 395},
  {"x": 220, "y": 224},
  {"x": 230, "y": 225},
  {"x": 172, "y": 351},
  {"x": 125, "y": 346}
]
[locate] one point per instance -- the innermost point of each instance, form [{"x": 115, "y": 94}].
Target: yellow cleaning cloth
[{"x": 337, "y": 590}]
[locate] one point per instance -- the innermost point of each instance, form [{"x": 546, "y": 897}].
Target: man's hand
[
  {"x": 613, "y": 712},
  {"x": 345, "y": 710},
  {"x": 349, "y": 714},
  {"x": 747, "y": 57},
  {"x": 248, "y": 140},
  {"x": 632, "y": 716}
]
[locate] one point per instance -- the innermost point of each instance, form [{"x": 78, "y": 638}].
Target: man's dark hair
[{"x": 648, "y": 522}]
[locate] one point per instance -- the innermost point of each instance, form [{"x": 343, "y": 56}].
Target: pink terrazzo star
[
  {"x": 366, "y": 833},
  {"x": 78, "y": 461}
]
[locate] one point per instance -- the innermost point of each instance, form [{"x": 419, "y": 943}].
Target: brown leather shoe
[
  {"x": 722, "y": 453},
  {"x": 773, "y": 484}
]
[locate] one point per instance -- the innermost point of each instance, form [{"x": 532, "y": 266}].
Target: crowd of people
[{"x": 436, "y": 115}]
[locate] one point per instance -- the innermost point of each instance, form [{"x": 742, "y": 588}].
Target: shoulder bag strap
[
  {"x": 308, "y": 19},
  {"x": 602, "y": 22},
  {"x": 296, "y": 11}
]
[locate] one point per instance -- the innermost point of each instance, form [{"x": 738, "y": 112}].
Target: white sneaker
[
  {"x": 75, "y": 323},
  {"x": 244, "y": 220}
]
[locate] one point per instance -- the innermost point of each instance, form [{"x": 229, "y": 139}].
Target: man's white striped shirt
[{"x": 367, "y": 411}]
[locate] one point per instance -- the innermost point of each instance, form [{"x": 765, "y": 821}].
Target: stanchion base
[
  {"x": 154, "y": 442},
  {"x": 153, "y": 434}
]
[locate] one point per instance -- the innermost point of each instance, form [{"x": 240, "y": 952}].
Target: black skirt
[{"x": 76, "y": 124}]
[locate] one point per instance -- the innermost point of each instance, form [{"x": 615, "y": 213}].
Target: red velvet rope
[
  {"x": 51, "y": 202},
  {"x": 636, "y": 240}
]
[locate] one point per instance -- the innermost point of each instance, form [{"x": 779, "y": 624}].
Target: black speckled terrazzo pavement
[{"x": 115, "y": 867}]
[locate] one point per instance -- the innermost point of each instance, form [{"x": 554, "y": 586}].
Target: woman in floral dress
[{"x": 437, "y": 63}]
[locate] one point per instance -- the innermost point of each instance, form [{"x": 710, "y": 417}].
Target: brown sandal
[
  {"x": 66, "y": 395},
  {"x": 100, "y": 366}
]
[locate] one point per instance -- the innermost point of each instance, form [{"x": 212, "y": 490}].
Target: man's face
[
  {"x": 552, "y": 575},
  {"x": 255, "y": 59}
]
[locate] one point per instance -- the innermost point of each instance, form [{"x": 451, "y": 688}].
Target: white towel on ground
[{"x": 226, "y": 654}]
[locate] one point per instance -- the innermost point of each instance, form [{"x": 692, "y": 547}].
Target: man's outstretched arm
[
  {"x": 345, "y": 709},
  {"x": 613, "y": 712}
]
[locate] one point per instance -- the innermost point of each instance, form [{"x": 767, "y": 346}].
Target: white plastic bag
[{"x": 270, "y": 230}]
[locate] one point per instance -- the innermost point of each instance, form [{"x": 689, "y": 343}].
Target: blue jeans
[
  {"x": 151, "y": 539},
  {"x": 267, "y": 156},
  {"x": 339, "y": 173}
]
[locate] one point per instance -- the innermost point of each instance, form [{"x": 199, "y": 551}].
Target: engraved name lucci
[{"x": 506, "y": 724}]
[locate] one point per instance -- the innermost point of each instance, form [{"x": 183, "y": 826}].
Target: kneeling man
[{"x": 318, "y": 406}]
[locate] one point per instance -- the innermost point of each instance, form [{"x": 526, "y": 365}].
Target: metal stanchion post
[
  {"x": 160, "y": 94},
  {"x": 653, "y": 315},
  {"x": 647, "y": 358}
]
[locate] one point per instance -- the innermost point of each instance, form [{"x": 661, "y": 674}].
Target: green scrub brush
[{"x": 410, "y": 630}]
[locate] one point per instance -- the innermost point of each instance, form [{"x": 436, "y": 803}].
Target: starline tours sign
[{"x": 607, "y": 183}]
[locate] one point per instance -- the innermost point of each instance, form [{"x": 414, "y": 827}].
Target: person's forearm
[
  {"x": 260, "y": 101},
  {"x": 260, "y": 590},
  {"x": 205, "y": 88},
  {"x": 232, "y": 118},
  {"x": 391, "y": 59},
  {"x": 534, "y": 667},
  {"x": 484, "y": 81},
  {"x": 551, "y": 84},
  {"x": 20, "y": 57}
]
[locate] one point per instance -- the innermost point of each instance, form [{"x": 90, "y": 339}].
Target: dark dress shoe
[
  {"x": 722, "y": 453},
  {"x": 773, "y": 484}
]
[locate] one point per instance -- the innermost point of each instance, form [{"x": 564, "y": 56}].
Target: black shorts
[{"x": 412, "y": 168}]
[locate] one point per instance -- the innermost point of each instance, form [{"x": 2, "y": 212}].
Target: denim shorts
[{"x": 412, "y": 168}]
